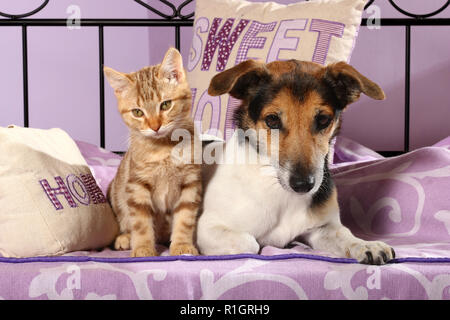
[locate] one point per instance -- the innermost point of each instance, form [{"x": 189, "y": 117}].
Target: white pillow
[
  {"x": 50, "y": 203},
  {"x": 227, "y": 32}
]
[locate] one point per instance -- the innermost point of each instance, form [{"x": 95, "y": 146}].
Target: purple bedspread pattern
[{"x": 404, "y": 201}]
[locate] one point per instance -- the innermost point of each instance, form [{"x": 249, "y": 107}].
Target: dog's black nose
[{"x": 302, "y": 184}]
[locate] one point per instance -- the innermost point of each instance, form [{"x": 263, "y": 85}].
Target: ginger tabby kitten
[{"x": 155, "y": 198}]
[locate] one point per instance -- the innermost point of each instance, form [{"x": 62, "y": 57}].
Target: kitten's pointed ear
[
  {"x": 119, "y": 81},
  {"x": 172, "y": 66}
]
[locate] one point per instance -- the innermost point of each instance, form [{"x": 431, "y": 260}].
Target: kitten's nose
[{"x": 155, "y": 126}]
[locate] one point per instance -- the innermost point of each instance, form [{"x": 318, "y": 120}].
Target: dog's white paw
[
  {"x": 245, "y": 243},
  {"x": 230, "y": 243},
  {"x": 371, "y": 252}
]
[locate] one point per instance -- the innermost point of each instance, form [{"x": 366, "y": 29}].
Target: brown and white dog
[{"x": 249, "y": 205}]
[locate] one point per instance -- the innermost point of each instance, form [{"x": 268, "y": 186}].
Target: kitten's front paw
[
  {"x": 122, "y": 242},
  {"x": 179, "y": 249},
  {"x": 371, "y": 252},
  {"x": 144, "y": 252}
]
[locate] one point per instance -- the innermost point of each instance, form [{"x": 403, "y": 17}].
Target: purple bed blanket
[{"x": 404, "y": 201}]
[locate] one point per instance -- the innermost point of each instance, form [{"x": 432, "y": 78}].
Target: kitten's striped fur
[{"x": 155, "y": 199}]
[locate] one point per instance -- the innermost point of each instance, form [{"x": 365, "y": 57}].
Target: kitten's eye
[
  {"x": 137, "y": 113},
  {"x": 273, "y": 121},
  {"x": 165, "y": 105},
  {"x": 322, "y": 121}
]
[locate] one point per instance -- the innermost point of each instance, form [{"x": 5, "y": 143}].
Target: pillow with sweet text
[{"x": 227, "y": 32}]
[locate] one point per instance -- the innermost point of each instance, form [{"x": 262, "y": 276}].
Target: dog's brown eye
[
  {"x": 322, "y": 121},
  {"x": 273, "y": 121}
]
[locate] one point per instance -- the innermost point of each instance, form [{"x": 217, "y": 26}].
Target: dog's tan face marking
[
  {"x": 302, "y": 139},
  {"x": 298, "y": 135},
  {"x": 304, "y": 101},
  {"x": 302, "y": 146}
]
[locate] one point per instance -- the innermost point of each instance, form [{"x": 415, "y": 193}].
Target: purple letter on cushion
[
  {"x": 233, "y": 103},
  {"x": 92, "y": 188},
  {"x": 251, "y": 41},
  {"x": 223, "y": 40},
  {"x": 201, "y": 25},
  {"x": 193, "y": 94},
  {"x": 75, "y": 185},
  {"x": 52, "y": 193},
  {"x": 215, "y": 110},
  {"x": 281, "y": 42},
  {"x": 326, "y": 30}
]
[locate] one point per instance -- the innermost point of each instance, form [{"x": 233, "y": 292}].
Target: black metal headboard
[{"x": 177, "y": 20}]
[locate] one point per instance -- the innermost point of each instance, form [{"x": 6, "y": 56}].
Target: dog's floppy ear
[
  {"x": 240, "y": 81},
  {"x": 348, "y": 83}
]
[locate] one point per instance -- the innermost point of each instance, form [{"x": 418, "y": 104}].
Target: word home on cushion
[{"x": 83, "y": 188}]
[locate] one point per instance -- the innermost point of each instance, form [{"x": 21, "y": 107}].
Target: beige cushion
[
  {"x": 227, "y": 32},
  {"x": 49, "y": 201}
]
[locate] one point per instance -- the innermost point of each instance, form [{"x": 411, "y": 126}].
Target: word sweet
[
  {"x": 223, "y": 41},
  {"x": 220, "y": 37}
]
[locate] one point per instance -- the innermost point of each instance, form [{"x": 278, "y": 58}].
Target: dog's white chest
[
  {"x": 293, "y": 220},
  {"x": 248, "y": 198},
  {"x": 253, "y": 201}
]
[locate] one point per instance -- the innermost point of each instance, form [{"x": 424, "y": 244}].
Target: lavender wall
[
  {"x": 63, "y": 72},
  {"x": 380, "y": 55}
]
